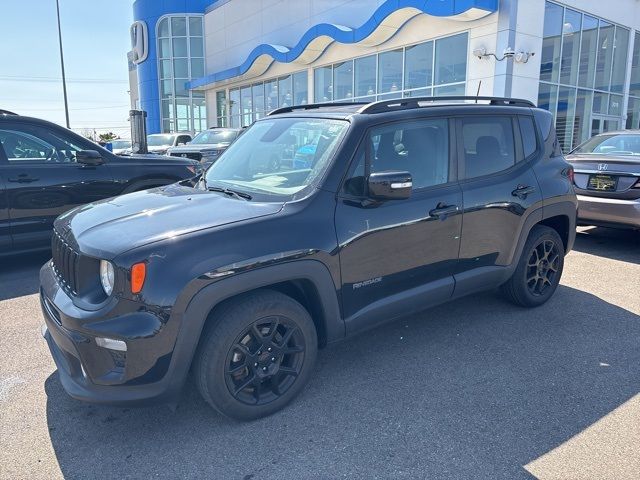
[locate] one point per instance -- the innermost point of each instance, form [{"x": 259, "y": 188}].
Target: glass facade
[
  {"x": 633, "y": 106},
  {"x": 181, "y": 59},
  {"x": 582, "y": 73},
  {"x": 250, "y": 102},
  {"x": 437, "y": 67}
]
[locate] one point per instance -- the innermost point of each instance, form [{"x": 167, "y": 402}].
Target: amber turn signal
[{"x": 138, "y": 274}]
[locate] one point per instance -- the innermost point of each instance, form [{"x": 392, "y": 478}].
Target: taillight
[
  {"x": 570, "y": 174},
  {"x": 138, "y": 274}
]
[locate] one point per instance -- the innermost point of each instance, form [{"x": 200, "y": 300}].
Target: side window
[
  {"x": 528, "y": 132},
  {"x": 184, "y": 139},
  {"x": 488, "y": 145},
  {"x": 418, "y": 147},
  {"x": 26, "y": 143}
]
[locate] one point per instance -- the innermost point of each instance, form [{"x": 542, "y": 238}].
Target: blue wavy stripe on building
[{"x": 341, "y": 34}]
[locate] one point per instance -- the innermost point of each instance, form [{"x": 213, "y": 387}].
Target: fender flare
[{"x": 208, "y": 297}]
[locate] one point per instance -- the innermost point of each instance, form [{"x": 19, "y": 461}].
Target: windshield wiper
[{"x": 232, "y": 193}]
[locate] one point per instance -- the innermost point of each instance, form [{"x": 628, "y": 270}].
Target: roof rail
[
  {"x": 7, "y": 112},
  {"x": 311, "y": 106},
  {"x": 414, "y": 102}
]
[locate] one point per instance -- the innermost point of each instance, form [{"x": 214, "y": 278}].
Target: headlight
[{"x": 107, "y": 276}]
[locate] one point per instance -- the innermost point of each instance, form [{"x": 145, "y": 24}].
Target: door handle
[
  {"x": 522, "y": 191},
  {"x": 24, "y": 178},
  {"x": 442, "y": 211}
]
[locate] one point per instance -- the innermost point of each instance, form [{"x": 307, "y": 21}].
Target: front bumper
[
  {"x": 609, "y": 211},
  {"x": 145, "y": 373}
]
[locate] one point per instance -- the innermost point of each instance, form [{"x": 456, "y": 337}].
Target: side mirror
[
  {"x": 89, "y": 157},
  {"x": 390, "y": 185}
]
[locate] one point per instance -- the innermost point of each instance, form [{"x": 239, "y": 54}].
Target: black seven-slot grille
[{"x": 65, "y": 263}]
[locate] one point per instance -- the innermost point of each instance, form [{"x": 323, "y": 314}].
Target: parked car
[
  {"x": 120, "y": 146},
  {"x": 46, "y": 170},
  {"x": 159, "y": 143},
  {"x": 206, "y": 146},
  {"x": 607, "y": 179},
  {"x": 244, "y": 273}
]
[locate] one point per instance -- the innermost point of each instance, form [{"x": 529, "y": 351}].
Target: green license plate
[{"x": 604, "y": 183}]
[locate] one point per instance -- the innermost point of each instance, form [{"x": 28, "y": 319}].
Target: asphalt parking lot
[{"x": 473, "y": 389}]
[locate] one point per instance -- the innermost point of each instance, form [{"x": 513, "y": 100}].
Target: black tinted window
[
  {"x": 528, "y": 132},
  {"x": 488, "y": 145},
  {"x": 28, "y": 143},
  {"x": 419, "y": 147}
]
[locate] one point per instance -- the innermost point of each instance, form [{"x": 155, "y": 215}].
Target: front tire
[
  {"x": 539, "y": 269},
  {"x": 257, "y": 355}
]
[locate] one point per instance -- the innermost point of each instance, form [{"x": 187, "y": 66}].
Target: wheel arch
[{"x": 307, "y": 281}]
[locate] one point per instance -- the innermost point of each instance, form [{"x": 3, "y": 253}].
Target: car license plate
[{"x": 602, "y": 182}]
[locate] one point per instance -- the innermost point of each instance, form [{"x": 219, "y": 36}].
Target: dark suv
[
  {"x": 240, "y": 275},
  {"x": 46, "y": 170}
]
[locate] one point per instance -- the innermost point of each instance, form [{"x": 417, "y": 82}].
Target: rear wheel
[
  {"x": 257, "y": 355},
  {"x": 539, "y": 269}
]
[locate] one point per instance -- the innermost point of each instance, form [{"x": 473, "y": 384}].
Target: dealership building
[{"x": 201, "y": 63}]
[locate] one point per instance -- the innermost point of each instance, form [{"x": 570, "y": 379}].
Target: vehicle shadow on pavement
[
  {"x": 473, "y": 389},
  {"x": 19, "y": 275},
  {"x": 618, "y": 244}
]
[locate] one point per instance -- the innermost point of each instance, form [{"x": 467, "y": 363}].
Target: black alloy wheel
[
  {"x": 256, "y": 354},
  {"x": 542, "y": 267},
  {"x": 265, "y": 360},
  {"x": 538, "y": 271}
]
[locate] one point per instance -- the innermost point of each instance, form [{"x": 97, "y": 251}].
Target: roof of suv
[{"x": 347, "y": 109}]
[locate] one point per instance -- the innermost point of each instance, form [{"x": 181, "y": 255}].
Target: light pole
[{"x": 64, "y": 80}]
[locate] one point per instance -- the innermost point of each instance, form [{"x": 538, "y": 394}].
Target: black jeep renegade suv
[{"x": 317, "y": 223}]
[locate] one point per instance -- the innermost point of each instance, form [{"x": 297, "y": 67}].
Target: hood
[
  {"x": 198, "y": 147},
  {"x": 604, "y": 163},
  {"x": 107, "y": 228}
]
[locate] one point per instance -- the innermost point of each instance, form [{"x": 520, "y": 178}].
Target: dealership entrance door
[{"x": 604, "y": 123}]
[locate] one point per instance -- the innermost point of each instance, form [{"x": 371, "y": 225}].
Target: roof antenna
[{"x": 478, "y": 92}]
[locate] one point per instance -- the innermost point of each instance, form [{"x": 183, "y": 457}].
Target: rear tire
[
  {"x": 256, "y": 356},
  {"x": 539, "y": 269}
]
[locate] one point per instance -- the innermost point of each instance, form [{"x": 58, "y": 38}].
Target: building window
[
  {"x": 408, "y": 72},
  {"x": 251, "y": 102},
  {"x": 181, "y": 59},
  {"x": 582, "y": 73},
  {"x": 633, "y": 107}
]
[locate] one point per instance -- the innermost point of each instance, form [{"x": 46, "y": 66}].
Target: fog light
[{"x": 111, "y": 344}]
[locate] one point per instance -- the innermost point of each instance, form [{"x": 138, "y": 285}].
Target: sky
[{"x": 95, "y": 37}]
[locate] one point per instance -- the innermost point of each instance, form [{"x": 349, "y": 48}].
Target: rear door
[
  {"x": 399, "y": 255},
  {"x": 499, "y": 191},
  {"x": 44, "y": 180}
]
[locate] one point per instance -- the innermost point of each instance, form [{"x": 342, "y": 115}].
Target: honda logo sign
[
  {"x": 602, "y": 167},
  {"x": 139, "y": 42}
]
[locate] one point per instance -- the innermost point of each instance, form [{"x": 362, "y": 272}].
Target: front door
[
  {"x": 398, "y": 256},
  {"x": 43, "y": 180}
]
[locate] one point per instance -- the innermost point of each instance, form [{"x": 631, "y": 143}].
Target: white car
[
  {"x": 120, "y": 145},
  {"x": 160, "y": 142}
]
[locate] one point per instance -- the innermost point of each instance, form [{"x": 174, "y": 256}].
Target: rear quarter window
[{"x": 528, "y": 133}]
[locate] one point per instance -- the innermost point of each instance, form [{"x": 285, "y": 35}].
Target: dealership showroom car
[
  {"x": 607, "y": 179},
  {"x": 206, "y": 146},
  {"x": 46, "y": 170}
]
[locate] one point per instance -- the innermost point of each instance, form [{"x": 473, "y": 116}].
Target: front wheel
[
  {"x": 257, "y": 355},
  {"x": 539, "y": 269}
]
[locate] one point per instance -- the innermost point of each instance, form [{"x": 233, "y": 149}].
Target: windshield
[
  {"x": 215, "y": 136},
  {"x": 626, "y": 144},
  {"x": 279, "y": 156},
  {"x": 120, "y": 143},
  {"x": 160, "y": 140}
]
